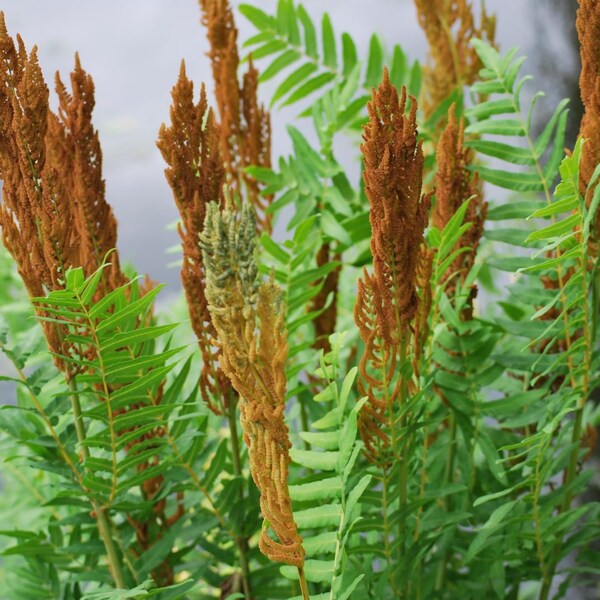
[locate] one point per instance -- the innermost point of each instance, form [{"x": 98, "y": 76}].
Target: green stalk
[
  {"x": 570, "y": 473},
  {"x": 114, "y": 563},
  {"x": 448, "y": 478},
  {"x": 303, "y": 584},
  {"x": 304, "y": 422},
  {"x": 403, "y": 467},
  {"x": 241, "y": 542}
]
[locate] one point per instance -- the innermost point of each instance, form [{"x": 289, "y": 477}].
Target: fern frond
[
  {"x": 111, "y": 338},
  {"x": 319, "y": 61},
  {"x": 328, "y": 500},
  {"x": 501, "y": 115}
]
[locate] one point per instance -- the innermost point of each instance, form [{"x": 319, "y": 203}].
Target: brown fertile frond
[
  {"x": 378, "y": 356},
  {"x": 393, "y": 177},
  {"x": 53, "y": 214},
  {"x": 249, "y": 320},
  {"x": 74, "y": 144},
  {"x": 195, "y": 172},
  {"x": 391, "y": 311},
  {"x": 449, "y": 26},
  {"x": 325, "y": 322},
  {"x": 588, "y": 29},
  {"x": 245, "y": 124},
  {"x": 454, "y": 184},
  {"x": 35, "y": 215}
]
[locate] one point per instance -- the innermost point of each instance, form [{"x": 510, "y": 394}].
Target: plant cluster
[{"x": 365, "y": 410}]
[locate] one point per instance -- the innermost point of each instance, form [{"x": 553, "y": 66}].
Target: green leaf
[
  {"x": 329, "y": 45},
  {"x": 327, "y": 515},
  {"x": 257, "y": 17},
  {"x": 131, "y": 338},
  {"x": 488, "y": 529},
  {"x": 323, "y": 489},
  {"x": 349, "y": 53},
  {"x": 516, "y": 181},
  {"x": 323, "y": 461},
  {"x": 280, "y": 63},
  {"x": 292, "y": 80},
  {"x": 310, "y": 34},
  {"x": 375, "y": 63},
  {"x": 312, "y": 85}
]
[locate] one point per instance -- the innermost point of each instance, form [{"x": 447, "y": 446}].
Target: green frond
[
  {"x": 313, "y": 58},
  {"x": 501, "y": 116},
  {"x": 327, "y": 498}
]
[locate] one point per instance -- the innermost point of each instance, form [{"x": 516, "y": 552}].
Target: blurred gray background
[{"x": 133, "y": 49}]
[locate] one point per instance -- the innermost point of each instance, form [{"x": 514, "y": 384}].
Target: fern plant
[{"x": 342, "y": 416}]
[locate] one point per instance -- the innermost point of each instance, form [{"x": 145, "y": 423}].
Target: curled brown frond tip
[
  {"x": 391, "y": 311},
  {"x": 53, "y": 214}
]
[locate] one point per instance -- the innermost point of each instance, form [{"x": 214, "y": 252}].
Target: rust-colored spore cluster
[
  {"x": 54, "y": 215},
  {"x": 245, "y": 124},
  {"x": 255, "y": 364},
  {"x": 77, "y": 148},
  {"x": 195, "y": 172},
  {"x": 454, "y": 184},
  {"x": 393, "y": 177},
  {"x": 588, "y": 29},
  {"x": 449, "y": 26},
  {"x": 388, "y": 305}
]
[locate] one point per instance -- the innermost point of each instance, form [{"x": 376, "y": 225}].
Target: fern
[
  {"x": 329, "y": 494},
  {"x": 319, "y": 60},
  {"x": 112, "y": 352},
  {"x": 500, "y": 115},
  {"x": 551, "y": 308}
]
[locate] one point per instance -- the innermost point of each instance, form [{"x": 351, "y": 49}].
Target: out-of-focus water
[{"x": 133, "y": 50}]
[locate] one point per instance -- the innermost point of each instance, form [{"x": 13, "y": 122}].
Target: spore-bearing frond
[{"x": 249, "y": 320}]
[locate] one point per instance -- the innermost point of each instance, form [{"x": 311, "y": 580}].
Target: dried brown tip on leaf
[
  {"x": 393, "y": 177},
  {"x": 454, "y": 184},
  {"x": 588, "y": 29},
  {"x": 449, "y": 27},
  {"x": 190, "y": 146},
  {"x": 245, "y": 124},
  {"x": 249, "y": 320}
]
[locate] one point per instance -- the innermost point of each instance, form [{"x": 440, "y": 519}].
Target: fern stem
[
  {"x": 303, "y": 584},
  {"x": 91, "y": 324},
  {"x": 403, "y": 465},
  {"x": 448, "y": 479},
  {"x": 589, "y": 331},
  {"x": 190, "y": 471},
  {"x": 241, "y": 541},
  {"x": 386, "y": 526},
  {"x": 547, "y": 570},
  {"x": 304, "y": 421},
  {"x": 114, "y": 563}
]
